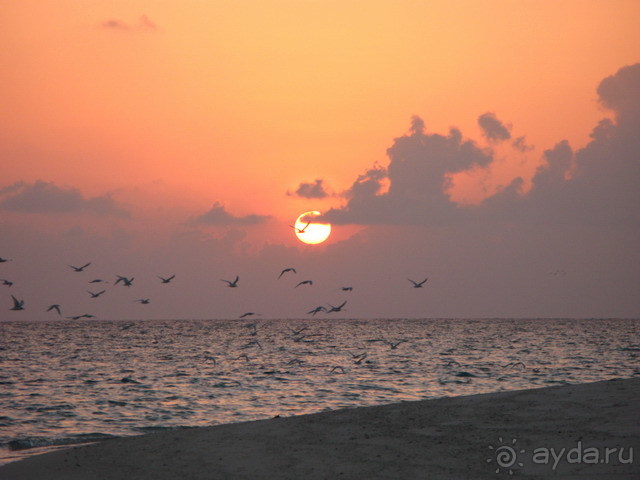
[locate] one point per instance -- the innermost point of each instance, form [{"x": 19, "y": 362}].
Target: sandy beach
[{"x": 587, "y": 431}]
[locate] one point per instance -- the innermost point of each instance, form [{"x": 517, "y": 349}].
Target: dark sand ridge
[{"x": 446, "y": 438}]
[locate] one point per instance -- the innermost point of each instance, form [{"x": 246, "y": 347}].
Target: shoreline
[{"x": 444, "y": 438}]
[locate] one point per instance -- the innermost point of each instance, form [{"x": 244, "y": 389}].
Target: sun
[{"x": 309, "y": 231}]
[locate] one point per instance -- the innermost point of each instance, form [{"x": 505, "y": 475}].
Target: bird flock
[{"x": 18, "y": 304}]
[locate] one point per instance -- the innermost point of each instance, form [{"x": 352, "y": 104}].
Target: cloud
[
  {"x": 311, "y": 190},
  {"x": 144, "y": 23},
  {"x": 46, "y": 197},
  {"x": 218, "y": 216},
  {"x": 412, "y": 188},
  {"x": 492, "y": 128},
  {"x": 597, "y": 183},
  {"x": 520, "y": 144}
]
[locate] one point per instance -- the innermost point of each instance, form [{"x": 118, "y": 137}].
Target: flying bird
[
  {"x": 338, "y": 308},
  {"x": 316, "y": 310},
  {"x": 95, "y": 294},
  {"x": 166, "y": 280},
  {"x": 98, "y": 280},
  {"x": 416, "y": 284},
  {"x": 233, "y": 284},
  {"x": 248, "y": 314},
  {"x": 17, "y": 304},
  {"x": 55, "y": 307},
  {"x": 2, "y": 260},
  {"x": 127, "y": 282},
  {"x": 304, "y": 282},
  {"x": 303, "y": 229},
  {"x": 347, "y": 289},
  {"x": 285, "y": 271},
  {"x": 80, "y": 269},
  {"x": 7, "y": 283},
  {"x": 143, "y": 301},
  {"x": 78, "y": 317}
]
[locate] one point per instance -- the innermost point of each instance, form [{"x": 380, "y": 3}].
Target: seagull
[
  {"x": 248, "y": 314},
  {"x": 245, "y": 356},
  {"x": 286, "y": 270},
  {"x": 80, "y": 269},
  {"x": 233, "y": 284},
  {"x": 416, "y": 284},
  {"x": 304, "y": 282},
  {"x": 17, "y": 304},
  {"x": 303, "y": 229},
  {"x": 94, "y": 294},
  {"x": 2, "y": 260},
  {"x": 7, "y": 283},
  {"x": 297, "y": 331},
  {"x": 166, "y": 280},
  {"x": 78, "y": 317},
  {"x": 253, "y": 342},
  {"x": 127, "y": 282},
  {"x": 338, "y": 308},
  {"x": 143, "y": 301},
  {"x": 316, "y": 310},
  {"x": 395, "y": 345},
  {"x": 337, "y": 367},
  {"x": 55, "y": 307},
  {"x": 358, "y": 359},
  {"x": 98, "y": 280},
  {"x": 252, "y": 326},
  {"x": 347, "y": 289}
]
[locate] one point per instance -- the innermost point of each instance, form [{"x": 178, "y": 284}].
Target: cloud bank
[
  {"x": 315, "y": 189},
  {"x": 46, "y": 197},
  {"x": 218, "y": 216},
  {"x": 597, "y": 183}
]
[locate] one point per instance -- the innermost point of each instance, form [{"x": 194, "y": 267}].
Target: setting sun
[{"x": 311, "y": 232}]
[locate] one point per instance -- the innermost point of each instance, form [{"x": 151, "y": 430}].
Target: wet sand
[{"x": 587, "y": 431}]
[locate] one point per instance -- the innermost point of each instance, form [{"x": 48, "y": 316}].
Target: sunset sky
[{"x": 492, "y": 146}]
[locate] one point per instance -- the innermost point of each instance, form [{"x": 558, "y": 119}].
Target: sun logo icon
[{"x": 505, "y": 456}]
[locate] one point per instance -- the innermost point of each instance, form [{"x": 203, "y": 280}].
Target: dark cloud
[
  {"x": 218, "y": 215},
  {"x": 412, "y": 189},
  {"x": 144, "y": 23},
  {"x": 311, "y": 190},
  {"x": 520, "y": 144},
  {"x": 492, "y": 128},
  {"x": 46, "y": 197},
  {"x": 595, "y": 184}
]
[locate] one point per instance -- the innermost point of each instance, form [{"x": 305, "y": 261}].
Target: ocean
[{"x": 69, "y": 382}]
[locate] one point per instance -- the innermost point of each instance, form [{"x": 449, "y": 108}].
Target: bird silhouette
[
  {"x": 80, "y": 269},
  {"x": 233, "y": 284},
  {"x": 166, "y": 280},
  {"x": 304, "y": 282},
  {"x": 347, "y": 289},
  {"x": 127, "y": 282},
  {"x": 143, "y": 301},
  {"x": 248, "y": 314},
  {"x": 55, "y": 307},
  {"x": 301, "y": 230},
  {"x": 7, "y": 283},
  {"x": 95, "y": 294},
  {"x": 17, "y": 304},
  {"x": 286, "y": 270},
  {"x": 316, "y": 310},
  {"x": 418, "y": 284},
  {"x": 338, "y": 308},
  {"x": 85, "y": 315},
  {"x": 2, "y": 260}
]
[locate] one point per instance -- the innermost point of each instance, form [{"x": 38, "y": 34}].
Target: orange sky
[
  {"x": 171, "y": 107},
  {"x": 240, "y": 101}
]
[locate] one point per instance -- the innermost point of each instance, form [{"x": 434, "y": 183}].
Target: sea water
[{"x": 68, "y": 382}]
